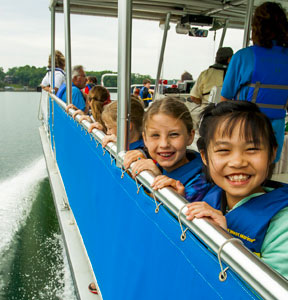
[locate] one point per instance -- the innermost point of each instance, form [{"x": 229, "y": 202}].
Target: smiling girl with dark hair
[{"x": 237, "y": 146}]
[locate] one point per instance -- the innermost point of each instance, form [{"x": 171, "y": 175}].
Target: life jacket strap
[{"x": 257, "y": 86}]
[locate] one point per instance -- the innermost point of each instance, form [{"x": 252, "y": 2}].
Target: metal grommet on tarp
[
  {"x": 223, "y": 274},
  {"x": 183, "y": 234}
]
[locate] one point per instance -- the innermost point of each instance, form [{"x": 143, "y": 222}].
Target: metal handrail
[{"x": 263, "y": 279}]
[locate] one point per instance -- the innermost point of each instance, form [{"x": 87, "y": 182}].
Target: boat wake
[
  {"x": 34, "y": 264},
  {"x": 17, "y": 194}
]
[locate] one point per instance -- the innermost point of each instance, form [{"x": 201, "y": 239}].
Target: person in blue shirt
[
  {"x": 259, "y": 73},
  {"x": 238, "y": 151},
  {"x": 146, "y": 93},
  {"x": 78, "y": 83},
  {"x": 167, "y": 131}
]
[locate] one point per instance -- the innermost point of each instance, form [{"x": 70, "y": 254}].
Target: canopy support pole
[
  {"x": 248, "y": 20},
  {"x": 124, "y": 73},
  {"x": 53, "y": 49},
  {"x": 223, "y": 34},
  {"x": 68, "y": 51},
  {"x": 164, "y": 39}
]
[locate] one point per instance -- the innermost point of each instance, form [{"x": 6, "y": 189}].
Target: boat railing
[
  {"x": 103, "y": 80},
  {"x": 115, "y": 88},
  {"x": 264, "y": 280}
]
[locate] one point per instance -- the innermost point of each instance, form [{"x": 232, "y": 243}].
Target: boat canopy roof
[{"x": 195, "y": 12}]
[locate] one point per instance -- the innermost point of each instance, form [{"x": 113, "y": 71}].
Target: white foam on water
[
  {"x": 62, "y": 285},
  {"x": 17, "y": 194}
]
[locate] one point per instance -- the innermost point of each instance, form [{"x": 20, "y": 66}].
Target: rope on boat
[
  {"x": 223, "y": 274},
  {"x": 183, "y": 234},
  {"x": 157, "y": 204},
  {"x": 138, "y": 185}
]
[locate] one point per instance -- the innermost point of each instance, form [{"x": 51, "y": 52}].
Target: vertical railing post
[
  {"x": 53, "y": 49},
  {"x": 247, "y": 26},
  {"x": 223, "y": 34},
  {"x": 66, "y": 4},
  {"x": 160, "y": 63},
  {"x": 52, "y": 9},
  {"x": 124, "y": 73}
]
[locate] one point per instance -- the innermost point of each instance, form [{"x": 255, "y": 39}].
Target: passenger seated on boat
[
  {"x": 259, "y": 73},
  {"x": 109, "y": 117},
  {"x": 59, "y": 73},
  {"x": 167, "y": 131},
  {"x": 98, "y": 97},
  {"x": 78, "y": 83},
  {"x": 237, "y": 152},
  {"x": 213, "y": 76},
  {"x": 146, "y": 93},
  {"x": 91, "y": 82}
]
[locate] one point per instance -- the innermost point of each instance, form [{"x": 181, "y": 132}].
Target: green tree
[
  {"x": 27, "y": 75},
  {"x": 2, "y": 76}
]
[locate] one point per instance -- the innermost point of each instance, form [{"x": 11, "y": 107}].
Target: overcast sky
[{"x": 25, "y": 40}]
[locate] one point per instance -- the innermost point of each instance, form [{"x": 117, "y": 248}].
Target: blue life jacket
[
  {"x": 250, "y": 221},
  {"x": 269, "y": 82},
  {"x": 192, "y": 177},
  {"x": 187, "y": 171},
  {"x": 149, "y": 96},
  {"x": 61, "y": 90},
  {"x": 137, "y": 145}
]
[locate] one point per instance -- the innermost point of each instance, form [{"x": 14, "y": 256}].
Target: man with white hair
[{"x": 78, "y": 83}]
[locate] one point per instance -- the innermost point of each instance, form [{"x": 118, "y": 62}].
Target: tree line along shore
[{"x": 28, "y": 78}]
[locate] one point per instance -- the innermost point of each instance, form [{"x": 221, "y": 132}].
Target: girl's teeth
[
  {"x": 240, "y": 177},
  {"x": 165, "y": 155}
]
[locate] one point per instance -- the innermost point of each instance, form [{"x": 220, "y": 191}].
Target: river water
[{"x": 33, "y": 264}]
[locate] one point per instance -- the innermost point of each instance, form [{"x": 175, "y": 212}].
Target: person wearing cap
[
  {"x": 259, "y": 73},
  {"x": 214, "y": 75}
]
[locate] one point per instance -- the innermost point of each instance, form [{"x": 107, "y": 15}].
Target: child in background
[
  {"x": 146, "y": 93},
  {"x": 91, "y": 82},
  {"x": 168, "y": 130},
  {"x": 109, "y": 117},
  {"x": 97, "y": 99},
  {"x": 238, "y": 146}
]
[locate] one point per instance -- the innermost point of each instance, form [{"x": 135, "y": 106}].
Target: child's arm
[
  {"x": 274, "y": 248},
  {"x": 96, "y": 125},
  {"x": 203, "y": 210},
  {"x": 77, "y": 112},
  {"x": 131, "y": 156},
  {"x": 109, "y": 138},
  {"x": 162, "y": 181},
  {"x": 71, "y": 106},
  {"x": 145, "y": 164},
  {"x": 85, "y": 117}
]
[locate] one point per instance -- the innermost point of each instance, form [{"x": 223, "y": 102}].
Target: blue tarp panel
[{"x": 135, "y": 253}]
